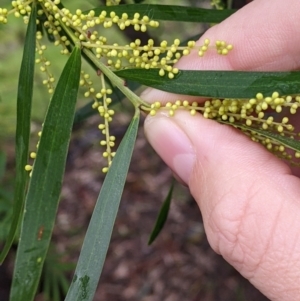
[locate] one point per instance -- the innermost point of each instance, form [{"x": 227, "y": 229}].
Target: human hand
[{"x": 249, "y": 199}]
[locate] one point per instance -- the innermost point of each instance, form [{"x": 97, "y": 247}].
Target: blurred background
[{"x": 179, "y": 265}]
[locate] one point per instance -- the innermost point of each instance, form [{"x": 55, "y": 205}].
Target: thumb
[{"x": 248, "y": 198}]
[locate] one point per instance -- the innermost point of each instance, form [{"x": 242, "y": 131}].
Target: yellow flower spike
[
  {"x": 280, "y": 128},
  {"x": 185, "y": 103},
  {"x": 208, "y": 109},
  {"x": 105, "y": 169},
  {"x": 264, "y": 106},
  {"x": 186, "y": 52},
  {"x": 33, "y": 155},
  {"x": 193, "y": 112},
  {"x": 171, "y": 112},
  {"x": 204, "y": 48},
  {"x": 191, "y": 44},
  {"x": 277, "y": 100},
  {"x": 108, "y": 100},
  {"x": 177, "y": 42},
  {"x": 152, "y": 113},
  {"x": 270, "y": 120},
  {"x": 258, "y": 108},
  {"x": 157, "y": 104},
  {"x": 170, "y": 75},
  {"x": 268, "y": 99},
  {"x": 164, "y": 44},
  {"x": 265, "y": 126},
  {"x": 95, "y": 105},
  {"x": 175, "y": 70},
  {"x": 261, "y": 115},
  {"x": 249, "y": 122},
  {"x": 285, "y": 120},
  {"x": 28, "y": 167},
  {"x": 278, "y": 108},
  {"x": 294, "y": 108},
  {"x": 206, "y": 42}
]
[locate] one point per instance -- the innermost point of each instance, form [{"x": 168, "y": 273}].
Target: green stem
[
  {"x": 137, "y": 112},
  {"x": 229, "y": 4},
  {"x": 117, "y": 81}
]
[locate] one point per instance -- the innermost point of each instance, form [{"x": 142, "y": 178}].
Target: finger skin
[
  {"x": 250, "y": 208},
  {"x": 249, "y": 199}
]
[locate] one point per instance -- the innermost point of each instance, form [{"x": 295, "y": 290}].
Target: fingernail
[{"x": 171, "y": 143}]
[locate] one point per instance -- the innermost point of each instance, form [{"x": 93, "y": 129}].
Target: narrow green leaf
[
  {"x": 219, "y": 84},
  {"x": 45, "y": 184},
  {"x": 162, "y": 216},
  {"x": 24, "y": 100},
  {"x": 169, "y": 12},
  {"x": 96, "y": 242},
  {"x": 2, "y": 163}
]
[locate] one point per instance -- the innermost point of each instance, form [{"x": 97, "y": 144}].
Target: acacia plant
[{"x": 257, "y": 103}]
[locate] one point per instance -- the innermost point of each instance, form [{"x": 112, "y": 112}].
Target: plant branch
[{"x": 117, "y": 81}]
